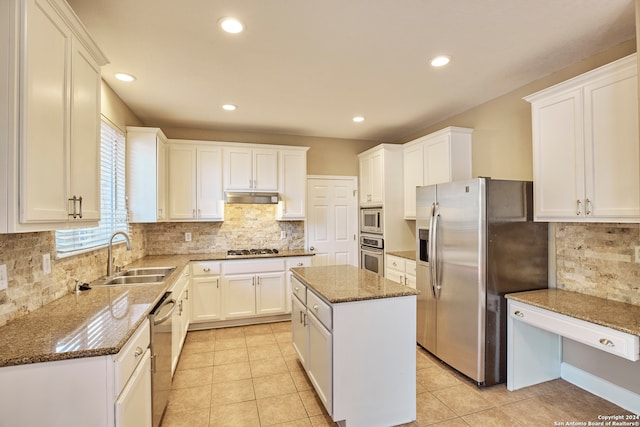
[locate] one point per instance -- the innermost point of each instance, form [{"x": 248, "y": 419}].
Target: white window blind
[{"x": 113, "y": 209}]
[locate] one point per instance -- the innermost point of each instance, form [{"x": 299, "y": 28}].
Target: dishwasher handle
[{"x": 172, "y": 302}]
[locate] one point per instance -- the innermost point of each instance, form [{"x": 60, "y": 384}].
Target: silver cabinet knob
[
  {"x": 607, "y": 342},
  {"x": 206, "y": 269},
  {"x": 519, "y": 314},
  {"x": 315, "y": 307},
  {"x": 138, "y": 352},
  {"x": 312, "y": 248}
]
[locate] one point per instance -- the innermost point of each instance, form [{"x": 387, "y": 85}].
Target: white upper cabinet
[
  {"x": 372, "y": 177},
  {"x": 195, "y": 183},
  {"x": 250, "y": 169},
  {"x": 147, "y": 174},
  {"x": 50, "y": 141},
  {"x": 292, "y": 184},
  {"x": 586, "y": 154},
  {"x": 442, "y": 156}
]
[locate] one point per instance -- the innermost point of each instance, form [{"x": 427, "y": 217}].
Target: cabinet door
[
  {"x": 161, "y": 174},
  {"x": 320, "y": 360},
  {"x": 44, "y": 115},
  {"x": 238, "y": 174},
  {"x": 437, "y": 160},
  {"x": 299, "y": 336},
  {"x": 265, "y": 170},
  {"x": 210, "y": 200},
  {"x": 84, "y": 174},
  {"x": 395, "y": 275},
  {"x": 612, "y": 169},
  {"x": 270, "y": 295},
  {"x": 133, "y": 406},
  {"x": 377, "y": 176},
  {"x": 293, "y": 185},
  {"x": 413, "y": 177},
  {"x": 206, "y": 300},
  {"x": 558, "y": 156},
  {"x": 182, "y": 182},
  {"x": 365, "y": 179},
  {"x": 239, "y": 295}
]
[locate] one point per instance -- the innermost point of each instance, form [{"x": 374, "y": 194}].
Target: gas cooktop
[{"x": 249, "y": 252}]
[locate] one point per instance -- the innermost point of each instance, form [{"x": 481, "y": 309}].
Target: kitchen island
[{"x": 355, "y": 335}]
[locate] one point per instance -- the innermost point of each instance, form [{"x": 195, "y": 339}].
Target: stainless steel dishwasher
[{"x": 160, "y": 321}]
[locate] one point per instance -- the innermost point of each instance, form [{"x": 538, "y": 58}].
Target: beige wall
[
  {"x": 502, "y": 126},
  {"x": 115, "y": 110},
  {"x": 327, "y": 156}
]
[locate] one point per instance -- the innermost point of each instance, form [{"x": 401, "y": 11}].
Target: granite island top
[
  {"x": 97, "y": 322},
  {"x": 347, "y": 283},
  {"x": 613, "y": 314}
]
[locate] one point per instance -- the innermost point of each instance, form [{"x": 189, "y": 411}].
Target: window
[{"x": 113, "y": 210}]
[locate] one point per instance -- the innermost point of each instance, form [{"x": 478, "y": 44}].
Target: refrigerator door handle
[
  {"x": 432, "y": 252},
  {"x": 436, "y": 258}
]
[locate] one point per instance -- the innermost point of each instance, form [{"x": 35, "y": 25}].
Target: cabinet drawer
[
  {"x": 298, "y": 262},
  {"x": 299, "y": 290},
  {"x": 603, "y": 338},
  {"x": 253, "y": 266},
  {"x": 395, "y": 263},
  {"x": 127, "y": 359},
  {"x": 410, "y": 267},
  {"x": 204, "y": 268},
  {"x": 320, "y": 309}
]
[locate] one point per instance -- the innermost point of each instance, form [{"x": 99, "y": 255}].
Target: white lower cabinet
[
  {"x": 181, "y": 316},
  {"x": 102, "y": 391},
  {"x": 313, "y": 341},
  {"x": 206, "y": 287},
  {"x": 400, "y": 270},
  {"x": 253, "y": 287},
  {"x": 359, "y": 356}
]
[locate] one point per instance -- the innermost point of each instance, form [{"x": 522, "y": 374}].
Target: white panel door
[{"x": 332, "y": 220}]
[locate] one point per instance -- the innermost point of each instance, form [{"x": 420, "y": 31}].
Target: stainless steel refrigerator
[{"x": 476, "y": 241}]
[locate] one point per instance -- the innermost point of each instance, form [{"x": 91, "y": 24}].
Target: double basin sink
[{"x": 136, "y": 276}]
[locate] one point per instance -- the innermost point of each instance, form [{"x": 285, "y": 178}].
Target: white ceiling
[{"x": 306, "y": 67}]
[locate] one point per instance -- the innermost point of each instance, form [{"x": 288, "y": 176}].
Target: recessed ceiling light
[
  {"x": 440, "y": 61},
  {"x": 231, "y": 25},
  {"x": 125, "y": 77},
  {"x": 229, "y": 107},
  {"x": 358, "y": 119}
]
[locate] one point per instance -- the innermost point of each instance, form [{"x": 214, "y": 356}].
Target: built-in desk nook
[{"x": 538, "y": 320}]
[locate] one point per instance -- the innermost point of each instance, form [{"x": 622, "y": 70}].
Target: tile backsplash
[
  {"x": 599, "y": 259},
  {"x": 29, "y": 288},
  {"x": 244, "y": 227},
  {"x": 596, "y": 259}
]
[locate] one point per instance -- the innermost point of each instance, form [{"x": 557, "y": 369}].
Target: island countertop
[
  {"x": 612, "y": 314},
  {"x": 347, "y": 283}
]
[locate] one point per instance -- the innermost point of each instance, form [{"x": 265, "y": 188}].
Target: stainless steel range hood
[{"x": 248, "y": 198}]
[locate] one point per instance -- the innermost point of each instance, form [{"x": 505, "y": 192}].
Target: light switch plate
[
  {"x": 4, "y": 280},
  {"x": 46, "y": 263},
  {"x": 187, "y": 237}
]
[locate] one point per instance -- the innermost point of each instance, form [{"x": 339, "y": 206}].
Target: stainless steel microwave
[{"x": 371, "y": 220}]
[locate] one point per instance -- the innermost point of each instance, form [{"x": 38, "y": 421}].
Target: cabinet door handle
[
  {"x": 74, "y": 213},
  {"x": 518, "y": 313},
  {"x": 186, "y": 294},
  {"x": 193, "y": 213},
  {"x": 199, "y": 213},
  {"x": 305, "y": 320},
  {"x": 139, "y": 351},
  {"x": 80, "y": 200},
  {"x": 218, "y": 283},
  {"x": 301, "y": 320},
  {"x": 587, "y": 207},
  {"x": 578, "y": 208},
  {"x": 607, "y": 342}
]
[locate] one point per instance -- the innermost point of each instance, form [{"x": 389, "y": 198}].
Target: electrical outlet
[
  {"x": 46, "y": 263},
  {"x": 4, "y": 280},
  {"x": 187, "y": 237},
  {"x": 637, "y": 253},
  {"x": 283, "y": 235}
]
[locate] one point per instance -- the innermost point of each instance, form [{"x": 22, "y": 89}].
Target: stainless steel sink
[
  {"x": 146, "y": 271},
  {"x": 136, "y": 276}
]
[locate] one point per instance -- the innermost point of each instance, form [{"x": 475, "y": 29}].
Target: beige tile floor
[{"x": 250, "y": 376}]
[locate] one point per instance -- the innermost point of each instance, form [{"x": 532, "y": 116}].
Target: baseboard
[{"x": 600, "y": 387}]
